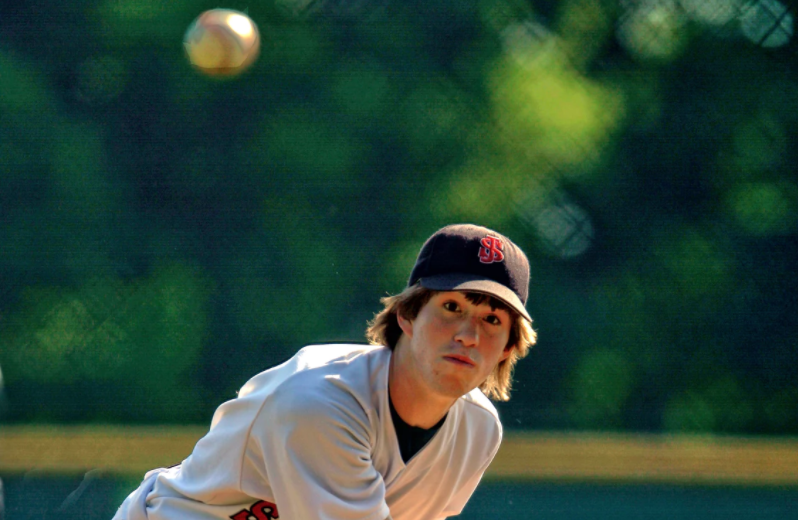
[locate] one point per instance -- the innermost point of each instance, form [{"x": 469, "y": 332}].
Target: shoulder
[
  {"x": 324, "y": 353},
  {"x": 336, "y": 364},
  {"x": 330, "y": 379},
  {"x": 312, "y": 361}
]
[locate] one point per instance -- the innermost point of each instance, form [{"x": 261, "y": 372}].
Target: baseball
[{"x": 222, "y": 42}]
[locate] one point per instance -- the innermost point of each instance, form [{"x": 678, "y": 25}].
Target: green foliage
[
  {"x": 166, "y": 235},
  {"x": 297, "y": 142},
  {"x": 127, "y": 342},
  {"x": 718, "y": 404},
  {"x": 547, "y": 108},
  {"x": 602, "y": 383},
  {"x": 765, "y": 208}
]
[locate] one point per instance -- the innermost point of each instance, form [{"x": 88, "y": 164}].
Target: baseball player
[{"x": 401, "y": 428}]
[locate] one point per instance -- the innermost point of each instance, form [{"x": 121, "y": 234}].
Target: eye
[
  {"x": 451, "y": 306},
  {"x": 493, "y": 319}
]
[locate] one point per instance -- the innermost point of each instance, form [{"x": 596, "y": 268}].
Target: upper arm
[{"x": 317, "y": 450}]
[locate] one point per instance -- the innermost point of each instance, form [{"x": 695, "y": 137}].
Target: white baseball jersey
[{"x": 313, "y": 438}]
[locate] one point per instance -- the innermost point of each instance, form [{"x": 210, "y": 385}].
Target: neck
[{"x": 416, "y": 404}]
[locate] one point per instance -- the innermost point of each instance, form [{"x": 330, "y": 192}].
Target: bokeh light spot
[
  {"x": 767, "y": 23},
  {"x": 712, "y": 12},
  {"x": 764, "y": 208},
  {"x": 653, "y": 30},
  {"x": 566, "y": 229}
]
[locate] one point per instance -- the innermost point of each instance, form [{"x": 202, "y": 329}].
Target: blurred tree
[
  {"x": 168, "y": 233},
  {"x": 108, "y": 349}
]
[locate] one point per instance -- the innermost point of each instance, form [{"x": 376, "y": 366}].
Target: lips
[{"x": 460, "y": 360}]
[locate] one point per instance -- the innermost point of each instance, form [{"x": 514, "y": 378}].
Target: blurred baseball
[{"x": 222, "y": 42}]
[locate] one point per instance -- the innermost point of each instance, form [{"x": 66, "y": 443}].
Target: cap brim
[{"x": 470, "y": 282}]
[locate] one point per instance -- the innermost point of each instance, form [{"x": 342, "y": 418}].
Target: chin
[{"x": 455, "y": 389}]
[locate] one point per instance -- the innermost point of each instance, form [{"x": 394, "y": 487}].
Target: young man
[{"x": 399, "y": 429}]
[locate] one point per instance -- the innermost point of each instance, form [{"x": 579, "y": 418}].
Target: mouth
[{"x": 460, "y": 360}]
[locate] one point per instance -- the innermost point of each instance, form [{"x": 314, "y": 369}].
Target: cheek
[
  {"x": 498, "y": 347},
  {"x": 436, "y": 326}
]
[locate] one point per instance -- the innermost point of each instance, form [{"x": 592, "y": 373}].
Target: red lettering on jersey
[
  {"x": 491, "y": 250},
  {"x": 260, "y": 510},
  {"x": 241, "y": 515},
  {"x": 265, "y": 510}
]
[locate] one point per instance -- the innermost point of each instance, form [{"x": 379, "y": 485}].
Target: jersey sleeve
[{"x": 316, "y": 448}]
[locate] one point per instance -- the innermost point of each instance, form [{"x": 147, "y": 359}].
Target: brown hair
[{"x": 384, "y": 330}]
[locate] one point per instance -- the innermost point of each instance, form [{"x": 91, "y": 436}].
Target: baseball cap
[{"x": 467, "y": 257}]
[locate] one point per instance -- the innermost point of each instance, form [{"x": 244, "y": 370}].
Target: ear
[
  {"x": 405, "y": 324},
  {"x": 507, "y": 351}
]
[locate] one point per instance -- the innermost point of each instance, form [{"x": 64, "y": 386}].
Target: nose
[{"x": 468, "y": 332}]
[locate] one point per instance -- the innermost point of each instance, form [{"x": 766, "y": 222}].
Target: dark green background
[{"x": 164, "y": 235}]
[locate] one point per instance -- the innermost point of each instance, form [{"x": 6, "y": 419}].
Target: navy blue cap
[{"x": 466, "y": 257}]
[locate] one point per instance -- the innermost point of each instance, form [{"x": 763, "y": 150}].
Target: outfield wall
[{"x": 575, "y": 457}]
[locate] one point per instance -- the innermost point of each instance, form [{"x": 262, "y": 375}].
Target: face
[{"x": 453, "y": 345}]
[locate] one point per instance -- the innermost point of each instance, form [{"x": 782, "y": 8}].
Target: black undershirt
[{"x": 411, "y": 438}]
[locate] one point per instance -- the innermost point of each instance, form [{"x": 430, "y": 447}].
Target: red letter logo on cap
[{"x": 491, "y": 250}]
